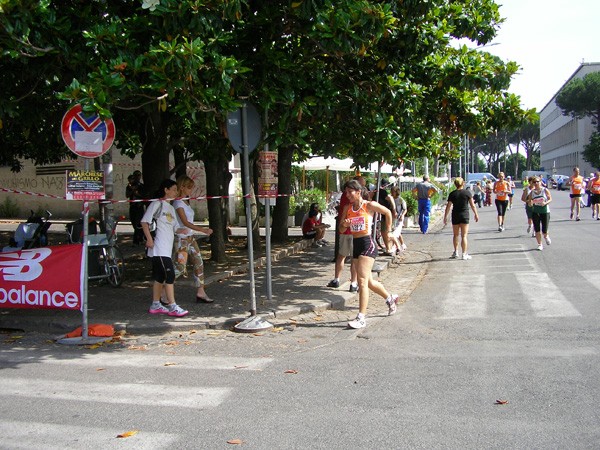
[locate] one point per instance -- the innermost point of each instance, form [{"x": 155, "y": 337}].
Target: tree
[{"x": 581, "y": 98}]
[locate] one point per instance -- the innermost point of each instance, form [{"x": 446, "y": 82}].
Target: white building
[{"x": 562, "y": 138}]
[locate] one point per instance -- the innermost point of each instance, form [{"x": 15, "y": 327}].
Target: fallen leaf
[
  {"x": 278, "y": 329},
  {"x": 214, "y": 334},
  {"x": 319, "y": 319},
  {"x": 99, "y": 368},
  {"x": 193, "y": 331},
  {"x": 172, "y": 343},
  {"x": 131, "y": 347},
  {"x": 303, "y": 341},
  {"x": 235, "y": 441},
  {"x": 171, "y": 364},
  {"x": 49, "y": 341},
  {"x": 128, "y": 434},
  {"x": 241, "y": 367},
  {"x": 16, "y": 337},
  {"x": 290, "y": 371},
  {"x": 501, "y": 402},
  {"x": 256, "y": 334}
]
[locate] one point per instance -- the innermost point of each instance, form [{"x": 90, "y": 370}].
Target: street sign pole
[{"x": 248, "y": 207}]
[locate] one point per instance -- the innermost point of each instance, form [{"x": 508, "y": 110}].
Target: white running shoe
[
  {"x": 404, "y": 247},
  {"x": 359, "y": 322},
  {"x": 466, "y": 256},
  {"x": 316, "y": 245},
  {"x": 548, "y": 240},
  {"x": 454, "y": 255},
  {"x": 540, "y": 247},
  {"x": 529, "y": 229},
  {"x": 160, "y": 309},
  {"x": 392, "y": 305},
  {"x": 177, "y": 311}
]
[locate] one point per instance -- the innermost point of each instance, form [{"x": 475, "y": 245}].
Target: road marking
[
  {"x": 28, "y": 435},
  {"x": 140, "y": 360},
  {"x": 115, "y": 393},
  {"x": 592, "y": 276},
  {"x": 545, "y": 298},
  {"x": 465, "y": 298}
]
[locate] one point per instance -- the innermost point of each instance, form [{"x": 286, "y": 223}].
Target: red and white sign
[
  {"x": 88, "y": 137},
  {"x": 36, "y": 278}
]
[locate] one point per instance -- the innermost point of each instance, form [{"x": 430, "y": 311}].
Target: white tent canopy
[{"x": 340, "y": 165}]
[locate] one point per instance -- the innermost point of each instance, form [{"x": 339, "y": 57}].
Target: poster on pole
[
  {"x": 85, "y": 185},
  {"x": 267, "y": 174}
]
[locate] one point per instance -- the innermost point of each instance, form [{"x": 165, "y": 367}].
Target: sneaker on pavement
[
  {"x": 529, "y": 229},
  {"x": 454, "y": 255},
  {"x": 548, "y": 240},
  {"x": 392, "y": 305},
  {"x": 466, "y": 256},
  {"x": 499, "y": 229},
  {"x": 324, "y": 242},
  {"x": 353, "y": 288},
  {"x": 177, "y": 311},
  {"x": 404, "y": 247},
  {"x": 316, "y": 245},
  {"x": 540, "y": 247},
  {"x": 160, "y": 309},
  {"x": 571, "y": 216},
  {"x": 359, "y": 322},
  {"x": 333, "y": 284}
]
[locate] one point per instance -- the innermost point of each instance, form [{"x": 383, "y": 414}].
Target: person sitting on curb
[{"x": 313, "y": 230}]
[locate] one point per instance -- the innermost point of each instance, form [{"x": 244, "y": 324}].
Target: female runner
[{"x": 358, "y": 217}]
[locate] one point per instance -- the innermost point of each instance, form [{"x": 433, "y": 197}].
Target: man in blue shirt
[{"x": 423, "y": 193}]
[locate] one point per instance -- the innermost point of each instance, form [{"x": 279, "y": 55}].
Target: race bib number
[
  {"x": 538, "y": 201},
  {"x": 576, "y": 186},
  {"x": 357, "y": 225},
  {"x": 596, "y": 188}
]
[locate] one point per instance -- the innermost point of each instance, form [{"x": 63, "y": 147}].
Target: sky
[{"x": 549, "y": 39}]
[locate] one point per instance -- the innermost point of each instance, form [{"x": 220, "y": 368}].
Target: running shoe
[
  {"x": 540, "y": 247},
  {"x": 316, "y": 245},
  {"x": 177, "y": 311},
  {"x": 548, "y": 240},
  {"x": 324, "y": 242},
  {"x": 359, "y": 322},
  {"x": 571, "y": 216},
  {"x": 466, "y": 256},
  {"x": 500, "y": 229},
  {"x": 333, "y": 284},
  {"x": 454, "y": 255},
  {"x": 353, "y": 288},
  {"x": 160, "y": 309},
  {"x": 392, "y": 305},
  {"x": 577, "y": 219},
  {"x": 529, "y": 229},
  {"x": 404, "y": 247}
]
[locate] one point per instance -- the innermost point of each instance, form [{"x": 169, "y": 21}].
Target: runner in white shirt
[{"x": 160, "y": 248}]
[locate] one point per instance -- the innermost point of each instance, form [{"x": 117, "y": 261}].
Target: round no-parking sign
[{"x": 88, "y": 137}]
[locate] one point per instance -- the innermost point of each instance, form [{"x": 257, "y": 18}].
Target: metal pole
[
  {"x": 268, "y": 225},
  {"x": 248, "y": 207},
  {"x": 84, "y": 300}
]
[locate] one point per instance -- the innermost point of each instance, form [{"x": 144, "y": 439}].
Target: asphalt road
[{"x": 513, "y": 324}]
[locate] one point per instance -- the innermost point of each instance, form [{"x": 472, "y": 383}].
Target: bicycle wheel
[{"x": 115, "y": 266}]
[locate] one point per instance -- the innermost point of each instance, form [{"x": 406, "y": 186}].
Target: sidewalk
[{"x": 299, "y": 278}]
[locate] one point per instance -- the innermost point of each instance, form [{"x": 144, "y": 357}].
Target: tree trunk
[
  {"x": 155, "y": 154},
  {"x": 217, "y": 180},
  {"x": 256, "y": 244},
  {"x": 282, "y": 205}
]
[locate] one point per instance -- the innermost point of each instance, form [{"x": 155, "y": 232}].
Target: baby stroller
[{"x": 31, "y": 234}]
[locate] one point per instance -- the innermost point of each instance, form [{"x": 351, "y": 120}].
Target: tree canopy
[
  {"x": 371, "y": 80},
  {"x": 580, "y": 98}
]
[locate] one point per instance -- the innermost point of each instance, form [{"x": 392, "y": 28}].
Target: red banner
[{"x": 47, "y": 277}]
